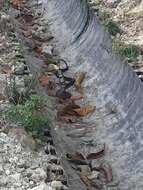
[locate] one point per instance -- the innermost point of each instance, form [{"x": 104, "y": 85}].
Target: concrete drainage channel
[
  {"x": 116, "y": 90},
  {"x": 60, "y": 147},
  {"x": 80, "y": 143}
]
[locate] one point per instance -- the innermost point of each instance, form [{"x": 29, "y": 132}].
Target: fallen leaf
[
  {"x": 86, "y": 181},
  {"x": 79, "y": 79},
  {"x": 68, "y": 82},
  {"x": 76, "y": 158},
  {"x": 68, "y": 119},
  {"x": 18, "y": 4},
  {"x": 64, "y": 95},
  {"x": 96, "y": 155},
  {"x": 50, "y": 60},
  {"x": 28, "y": 18},
  {"x": 68, "y": 109},
  {"x": 84, "y": 110},
  {"x": 79, "y": 156},
  {"x": 107, "y": 169},
  {"x": 2, "y": 97},
  {"x": 44, "y": 80},
  {"x": 47, "y": 39},
  {"x": 38, "y": 50},
  {"x": 74, "y": 98},
  {"x": 27, "y": 33},
  {"x": 5, "y": 69}
]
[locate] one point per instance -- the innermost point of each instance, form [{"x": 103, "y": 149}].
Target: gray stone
[
  {"x": 1, "y": 169},
  {"x": 42, "y": 186},
  {"x": 47, "y": 49},
  {"x": 18, "y": 69},
  {"x": 7, "y": 172},
  {"x": 22, "y": 164},
  {"x": 15, "y": 177},
  {"x": 35, "y": 164},
  {"x": 3, "y": 181},
  {"x": 3, "y": 138},
  {"x": 28, "y": 173},
  {"x": 38, "y": 175},
  {"x": 57, "y": 185}
]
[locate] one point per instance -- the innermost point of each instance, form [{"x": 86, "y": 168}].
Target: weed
[
  {"x": 6, "y": 4},
  {"x": 109, "y": 24},
  {"x": 31, "y": 115},
  {"x": 103, "y": 16},
  {"x": 129, "y": 51},
  {"x": 111, "y": 27}
]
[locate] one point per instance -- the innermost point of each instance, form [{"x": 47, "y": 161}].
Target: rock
[
  {"x": 3, "y": 181},
  {"x": 15, "y": 177},
  {"x": 18, "y": 69},
  {"x": 35, "y": 164},
  {"x": 17, "y": 184},
  {"x": 13, "y": 160},
  {"x": 1, "y": 169},
  {"x": 47, "y": 50},
  {"x": 29, "y": 142},
  {"x": 57, "y": 185},
  {"x": 22, "y": 164},
  {"x": 42, "y": 186},
  {"x": 28, "y": 173},
  {"x": 3, "y": 138},
  {"x": 57, "y": 169},
  {"x": 26, "y": 140},
  {"x": 94, "y": 175},
  {"x": 18, "y": 148},
  {"x": 16, "y": 133},
  {"x": 38, "y": 175},
  {"x": 7, "y": 172}
]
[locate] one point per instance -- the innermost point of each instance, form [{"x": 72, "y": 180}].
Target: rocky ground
[
  {"x": 23, "y": 165},
  {"x": 129, "y": 17}
]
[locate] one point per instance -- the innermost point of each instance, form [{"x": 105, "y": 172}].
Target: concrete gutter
[{"x": 110, "y": 84}]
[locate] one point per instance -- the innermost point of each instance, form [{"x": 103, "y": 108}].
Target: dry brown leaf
[
  {"x": 96, "y": 155},
  {"x": 2, "y": 97},
  {"x": 38, "y": 50},
  {"x": 67, "y": 119},
  {"x": 18, "y": 4},
  {"x": 44, "y": 80},
  {"x": 86, "y": 181},
  {"x": 76, "y": 158},
  {"x": 42, "y": 40},
  {"x": 74, "y": 98},
  {"x": 79, "y": 79},
  {"x": 62, "y": 94},
  {"x": 107, "y": 169},
  {"x": 68, "y": 109},
  {"x": 27, "y": 33},
  {"x": 5, "y": 69},
  {"x": 84, "y": 110}
]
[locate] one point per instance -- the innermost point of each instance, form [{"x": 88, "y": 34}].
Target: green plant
[
  {"x": 109, "y": 24},
  {"x": 97, "y": 2},
  {"x": 103, "y": 16},
  {"x": 7, "y": 4},
  {"x": 129, "y": 51},
  {"x": 111, "y": 27},
  {"x": 31, "y": 114}
]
